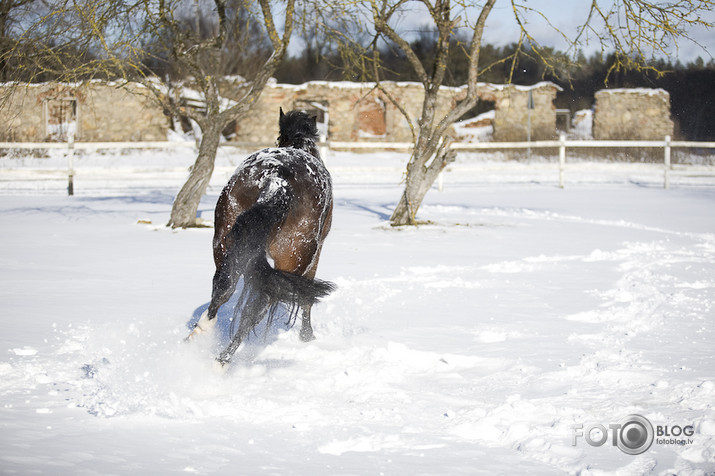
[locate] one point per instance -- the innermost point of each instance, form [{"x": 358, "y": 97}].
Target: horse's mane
[{"x": 298, "y": 130}]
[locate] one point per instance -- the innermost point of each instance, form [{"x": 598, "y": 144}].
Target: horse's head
[{"x": 298, "y": 130}]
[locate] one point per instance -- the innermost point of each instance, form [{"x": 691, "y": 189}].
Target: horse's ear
[
  {"x": 314, "y": 119},
  {"x": 282, "y": 115}
]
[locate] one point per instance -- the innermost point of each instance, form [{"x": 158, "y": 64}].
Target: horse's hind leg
[
  {"x": 252, "y": 314},
  {"x": 225, "y": 356},
  {"x": 306, "y": 329}
]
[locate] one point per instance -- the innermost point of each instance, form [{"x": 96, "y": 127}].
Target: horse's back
[{"x": 290, "y": 172}]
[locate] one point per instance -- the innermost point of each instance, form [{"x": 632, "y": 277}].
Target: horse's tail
[{"x": 264, "y": 286}]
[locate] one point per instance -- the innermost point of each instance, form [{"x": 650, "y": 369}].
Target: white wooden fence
[{"x": 562, "y": 145}]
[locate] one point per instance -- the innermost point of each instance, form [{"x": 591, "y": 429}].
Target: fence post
[
  {"x": 666, "y": 165},
  {"x": 70, "y": 164},
  {"x": 562, "y": 158}
]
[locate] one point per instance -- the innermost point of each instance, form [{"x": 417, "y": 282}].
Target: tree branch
[
  {"x": 280, "y": 45},
  {"x": 381, "y": 18},
  {"x": 473, "y": 75}
]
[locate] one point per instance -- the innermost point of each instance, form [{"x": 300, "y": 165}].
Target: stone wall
[
  {"x": 513, "y": 112},
  {"x": 348, "y": 111},
  {"x": 355, "y": 111},
  {"x": 22, "y": 117},
  {"x": 121, "y": 114},
  {"x": 95, "y": 111},
  {"x": 632, "y": 114}
]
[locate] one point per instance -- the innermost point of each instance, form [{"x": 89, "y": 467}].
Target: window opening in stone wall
[
  {"x": 563, "y": 120},
  {"x": 319, "y": 109},
  {"x": 372, "y": 120},
  {"x": 60, "y": 118}
]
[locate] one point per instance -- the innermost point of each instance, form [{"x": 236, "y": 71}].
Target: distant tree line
[{"x": 691, "y": 86}]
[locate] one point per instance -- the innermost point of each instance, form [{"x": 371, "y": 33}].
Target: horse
[{"x": 279, "y": 205}]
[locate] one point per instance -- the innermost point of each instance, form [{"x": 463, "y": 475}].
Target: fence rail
[
  {"x": 544, "y": 144},
  {"x": 562, "y": 145}
]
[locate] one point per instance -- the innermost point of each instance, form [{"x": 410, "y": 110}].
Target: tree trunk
[
  {"x": 419, "y": 180},
  {"x": 186, "y": 204},
  {"x": 421, "y": 173},
  {"x": 416, "y": 188}
]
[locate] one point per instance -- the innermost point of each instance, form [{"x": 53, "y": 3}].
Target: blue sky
[
  {"x": 566, "y": 15},
  {"x": 563, "y": 15}
]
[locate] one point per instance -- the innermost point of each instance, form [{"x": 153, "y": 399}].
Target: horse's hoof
[
  {"x": 203, "y": 326},
  {"x": 220, "y": 365},
  {"x": 194, "y": 332}
]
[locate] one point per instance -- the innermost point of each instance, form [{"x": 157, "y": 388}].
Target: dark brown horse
[{"x": 278, "y": 204}]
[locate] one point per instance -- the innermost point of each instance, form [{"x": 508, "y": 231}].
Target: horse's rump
[{"x": 292, "y": 177}]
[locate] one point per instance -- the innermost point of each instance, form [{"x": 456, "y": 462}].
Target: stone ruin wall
[
  {"x": 102, "y": 113},
  {"x": 357, "y": 112},
  {"x": 632, "y": 114},
  {"x": 21, "y": 115},
  {"x": 511, "y": 112},
  {"x": 134, "y": 115}
]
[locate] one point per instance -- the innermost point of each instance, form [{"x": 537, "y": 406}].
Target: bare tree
[
  {"x": 631, "y": 28},
  {"x": 431, "y": 152},
  {"x": 71, "y": 40},
  {"x": 7, "y": 8},
  {"x": 38, "y": 41},
  {"x": 200, "y": 56}
]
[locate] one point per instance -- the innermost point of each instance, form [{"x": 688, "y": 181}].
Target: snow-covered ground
[{"x": 470, "y": 345}]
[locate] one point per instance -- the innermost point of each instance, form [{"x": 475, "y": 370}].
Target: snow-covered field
[{"x": 470, "y": 345}]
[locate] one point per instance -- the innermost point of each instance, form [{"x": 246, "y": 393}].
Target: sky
[
  {"x": 564, "y": 16},
  {"x": 567, "y": 15}
]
